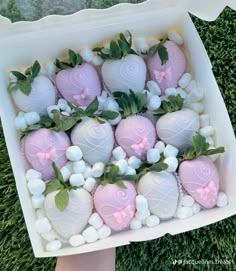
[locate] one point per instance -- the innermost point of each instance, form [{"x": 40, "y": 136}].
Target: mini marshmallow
[
  {"x": 195, "y": 95},
  {"x": 90, "y": 234},
  {"x": 191, "y": 85},
  {"x": 70, "y": 165},
  {"x": 77, "y": 179},
  {"x": 210, "y": 141},
  {"x": 171, "y": 91},
  {"x": 65, "y": 113},
  {"x": 153, "y": 156},
  {"x": 170, "y": 151},
  {"x": 187, "y": 201},
  {"x": 197, "y": 107},
  {"x": 32, "y": 174},
  {"x": 196, "y": 208},
  {"x": 135, "y": 224},
  {"x": 185, "y": 80},
  {"x": 74, "y": 153},
  {"x": 102, "y": 101},
  {"x": 152, "y": 221},
  {"x": 142, "y": 215},
  {"x": 172, "y": 163},
  {"x": 207, "y": 131},
  {"x": 97, "y": 60},
  {"x": 40, "y": 213},
  {"x": 184, "y": 212},
  {"x": 87, "y": 54},
  {"x": 154, "y": 103},
  {"x": 204, "y": 120},
  {"x": 50, "y": 109},
  {"x": 66, "y": 173},
  {"x": 96, "y": 221},
  {"x": 88, "y": 172},
  {"x": 118, "y": 153},
  {"x": 43, "y": 225},
  {"x": 98, "y": 169},
  {"x": 31, "y": 118},
  {"x": 130, "y": 171},
  {"x": 76, "y": 240},
  {"x": 153, "y": 41},
  {"x": 49, "y": 236},
  {"x": 160, "y": 146},
  {"x": 50, "y": 69},
  {"x": 62, "y": 104},
  {"x": 37, "y": 201},
  {"x": 36, "y": 186},
  {"x": 116, "y": 120},
  {"x": 141, "y": 45},
  {"x": 181, "y": 92},
  {"x": 54, "y": 245},
  {"x": 89, "y": 184},
  {"x": 222, "y": 200},
  {"x": 175, "y": 37},
  {"x": 111, "y": 105},
  {"x": 141, "y": 204},
  {"x": 79, "y": 166},
  {"x": 20, "y": 123},
  {"x": 122, "y": 164},
  {"x": 148, "y": 93},
  {"x": 134, "y": 162},
  {"x": 104, "y": 232},
  {"x": 68, "y": 109},
  {"x": 154, "y": 88}
]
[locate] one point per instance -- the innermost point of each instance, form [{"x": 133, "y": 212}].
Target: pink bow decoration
[
  {"x": 83, "y": 98},
  {"x": 126, "y": 212},
  {"x": 204, "y": 191},
  {"x": 49, "y": 155},
  {"x": 140, "y": 146},
  {"x": 163, "y": 74}
]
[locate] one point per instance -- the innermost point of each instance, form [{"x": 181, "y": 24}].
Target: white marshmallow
[
  {"x": 153, "y": 41},
  {"x": 104, "y": 232},
  {"x": 43, "y": 225},
  {"x": 66, "y": 173},
  {"x": 181, "y": 92},
  {"x": 98, "y": 169},
  {"x": 197, "y": 107},
  {"x": 141, "y": 204},
  {"x": 196, "y": 208},
  {"x": 32, "y": 174},
  {"x": 49, "y": 236},
  {"x": 36, "y": 186},
  {"x": 141, "y": 45},
  {"x": 116, "y": 120},
  {"x": 111, "y": 105},
  {"x": 77, "y": 179},
  {"x": 195, "y": 95},
  {"x": 185, "y": 80},
  {"x": 207, "y": 131},
  {"x": 74, "y": 153},
  {"x": 89, "y": 184},
  {"x": 135, "y": 224},
  {"x": 70, "y": 165},
  {"x": 204, "y": 120},
  {"x": 154, "y": 103},
  {"x": 134, "y": 162},
  {"x": 54, "y": 245},
  {"x": 175, "y": 37},
  {"x": 187, "y": 201},
  {"x": 68, "y": 109},
  {"x": 154, "y": 88},
  {"x": 142, "y": 215},
  {"x": 65, "y": 113},
  {"x": 12, "y": 77},
  {"x": 172, "y": 163},
  {"x": 160, "y": 146},
  {"x": 20, "y": 123},
  {"x": 96, "y": 221},
  {"x": 153, "y": 156},
  {"x": 222, "y": 200},
  {"x": 118, "y": 153},
  {"x": 191, "y": 85},
  {"x": 102, "y": 101},
  {"x": 76, "y": 240},
  {"x": 210, "y": 141},
  {"x": 148, "y": 93},
  {"x": 97, "y": 60},
  {"x": 90, "y": 234},
  {"x": 88, "y": 172},
  {"x": 50, "y": 69},
  {"x": 62, "y": 104},
  {"x": 171, "y": 92},
  {"x": 37, "y": 201},
  {"x": 122, "y": 164},
  {"x": 79, "y": 166},
  {"x": 170, "y": 151},
  {"x": 184, "y": 212},
  {"x": 152, "y": 221},
  {"x": 50, "y": 109},
  {"x": 87, "y": 54},
  {"x": 130, "y": 171},
  {"x": 40, "y": 213},
  {"x": 31, "y": 118}
]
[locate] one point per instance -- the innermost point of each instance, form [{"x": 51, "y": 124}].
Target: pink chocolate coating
[
  {"x": 79, "y": 85},
  {"x": 201, "y": 180},
  {"x": 136, "y": 135},
  {"x": 115, "y": 205},
  {"x": 167, "y": 75},
  {"x": 42, "y": 147}
]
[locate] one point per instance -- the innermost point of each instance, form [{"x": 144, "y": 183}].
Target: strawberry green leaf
[
  {"x": 114, "y": 172},
  {"x": 92, "y": 108},
  {"x": 200, "y": 145},
  {"x": 134, "y": 178},
  {"x": 62, "y": 199},
  {"x": 53, "y": 185},
  {"x": 172, "y": 104},
  {"x": 115, "y": 50},
  {"x": 161, "y": 50},
  {"x": 108, "y": 115},
  {"x": 158, "y": 167},
  {"x": 214, "y": 151},
  {"x": 58, "y": 173},
  {"x": 19, "y": 75},
  {"x": 24, "y": 86},
  {"x": 120, "y": 183},
  {"x": 35, "y": 69},
  {"x": 12, "y": 87}
]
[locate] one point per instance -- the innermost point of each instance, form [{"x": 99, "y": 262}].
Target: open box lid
[{"x": 203, "y": 9}]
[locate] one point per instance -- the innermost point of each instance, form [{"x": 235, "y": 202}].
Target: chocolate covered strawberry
[
  {"x": 122, "y": 69},
  {"x": 77, "y": 82}
]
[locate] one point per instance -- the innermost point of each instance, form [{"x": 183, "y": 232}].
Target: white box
[{"x": 21, "y": 43}]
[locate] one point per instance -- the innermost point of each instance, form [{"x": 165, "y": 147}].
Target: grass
[{"x": 217, "y": 241}]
